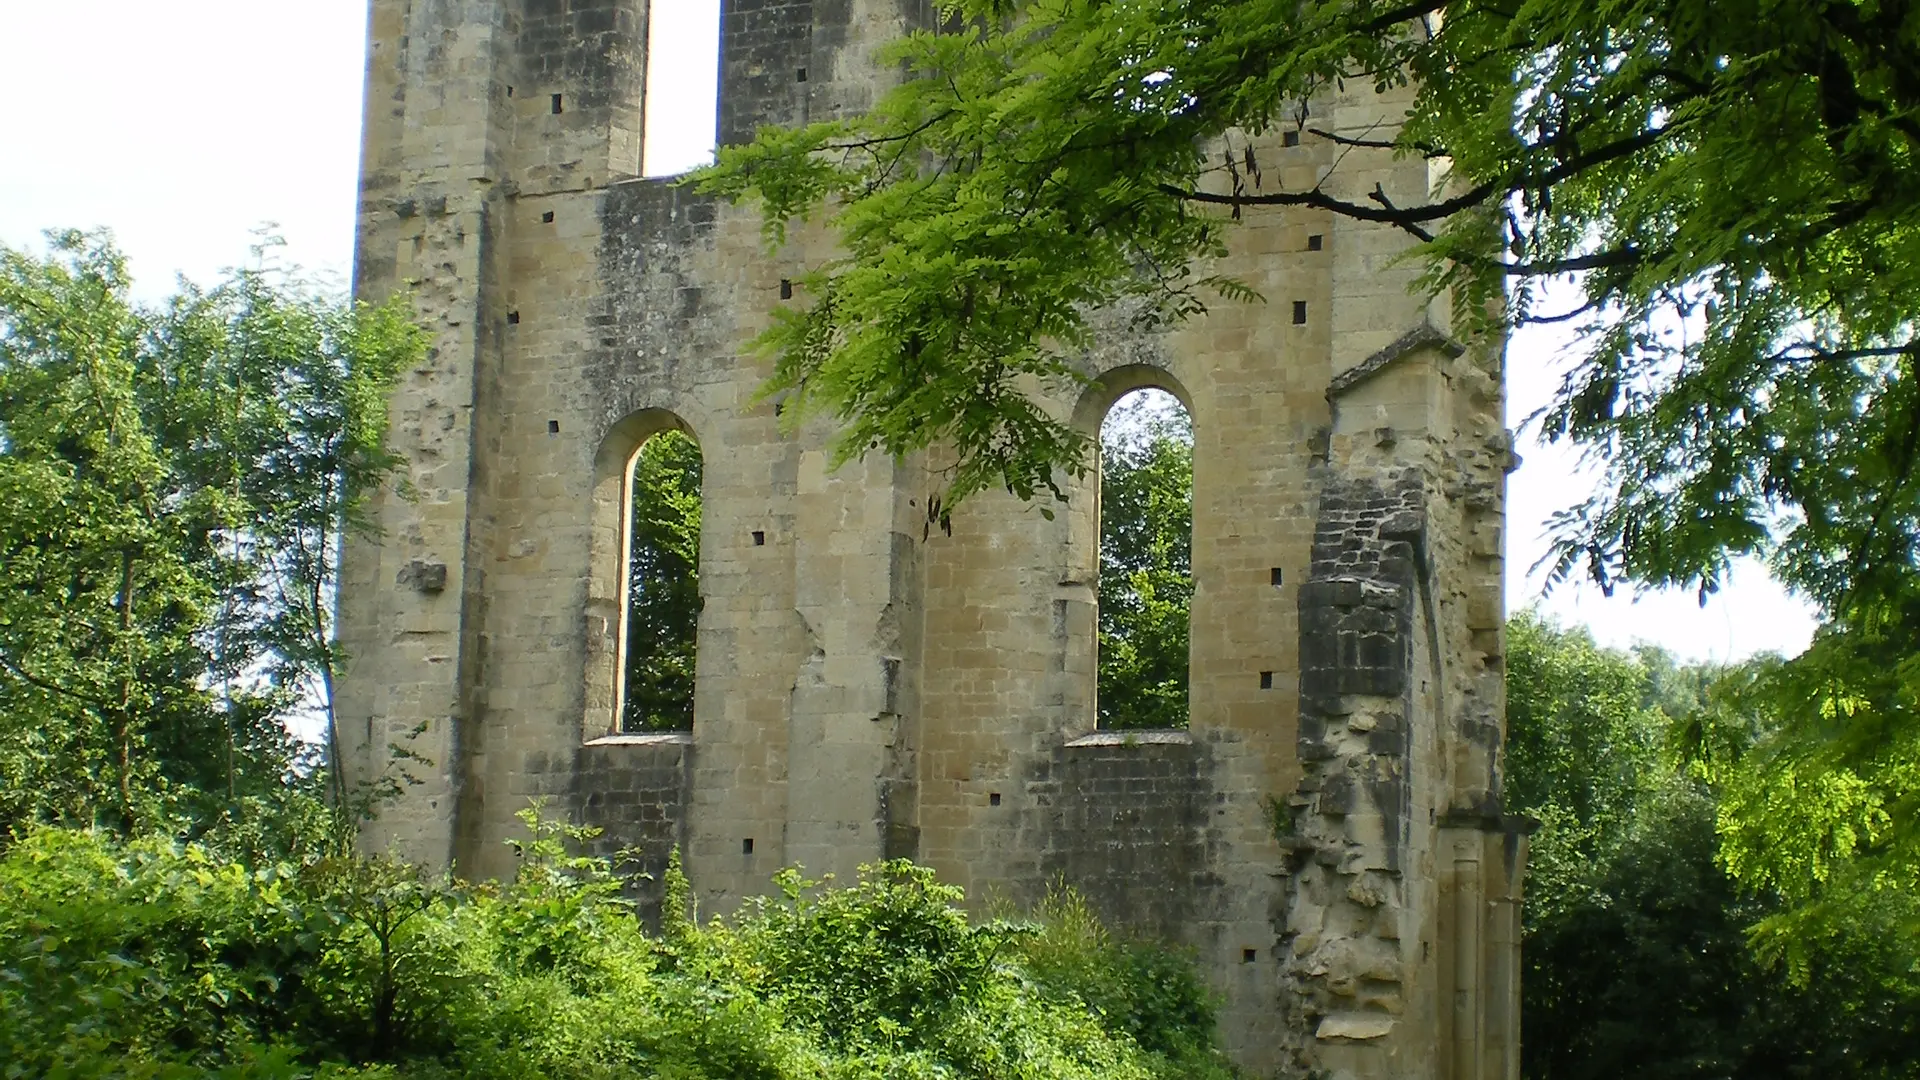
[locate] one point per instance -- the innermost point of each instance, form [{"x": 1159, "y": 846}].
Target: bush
[
  {"x": 1142, "y": 990},
  {"x": 156, "y": 960}
]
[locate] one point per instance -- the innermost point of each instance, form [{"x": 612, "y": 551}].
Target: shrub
[{"x": 152, "y": 960}]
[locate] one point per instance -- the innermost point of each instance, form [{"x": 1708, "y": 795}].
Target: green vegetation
[
  {"x": 1146, "y": 565},
  {"x": 1733, "y": 188},
  {"x": 175, "y": 900},
  {"x": 1637, "y": 949},
  {"x": 174, "y": 482},
  {"x": 1725, "y": 881},
  {"x": 663, "y": 585},
  {"x": 154, "y": 960}
]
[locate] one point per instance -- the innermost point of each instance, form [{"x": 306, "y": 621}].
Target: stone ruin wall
[{"x": 1327, "y": 835}]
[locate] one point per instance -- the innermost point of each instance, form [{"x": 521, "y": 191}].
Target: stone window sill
[
  {"x": 645, "y": 738},
  {"x": 1132, "y": 738}
]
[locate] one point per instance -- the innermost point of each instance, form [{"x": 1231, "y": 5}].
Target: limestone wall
[{"x": 1326, "y": 834}]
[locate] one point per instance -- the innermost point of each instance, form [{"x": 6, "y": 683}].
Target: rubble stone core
[{"x": 1327, "y": 834}]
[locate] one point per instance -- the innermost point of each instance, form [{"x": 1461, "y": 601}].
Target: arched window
[
  {"x": 1146, "y": 561},
  {"x": 663, "y": 585}
]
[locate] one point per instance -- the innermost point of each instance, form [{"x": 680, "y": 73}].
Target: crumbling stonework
[{"x": 1326, "y": 835}]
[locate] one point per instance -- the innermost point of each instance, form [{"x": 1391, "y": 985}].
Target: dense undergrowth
[{"x": 155, "y": 960}]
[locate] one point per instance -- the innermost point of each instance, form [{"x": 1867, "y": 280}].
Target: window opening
[
  {"x": 663, "y": 585},
  {"x": 1146, "y": 562},
  {"x": 682, "y": 122}
]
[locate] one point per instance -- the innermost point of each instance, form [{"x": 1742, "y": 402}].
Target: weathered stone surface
[{"x": 1326, "y": 835}]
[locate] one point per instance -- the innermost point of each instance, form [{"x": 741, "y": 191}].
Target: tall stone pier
[{"x": 1326, "y": 834}]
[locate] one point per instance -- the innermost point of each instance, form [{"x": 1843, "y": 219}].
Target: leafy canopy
[
  {"x": 1817, "y": 761},
  {"x": 174, "y": 484},
  {"x": 1734, "y": 185},
  {"x": 1637, "y": 955},
  {"x": 1731, "y": 188}
]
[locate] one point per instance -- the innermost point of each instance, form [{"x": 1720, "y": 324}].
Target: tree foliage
[
  {"x": 1146, "y": 563},
  {"x": 1731, "y": 189},
  {"x": 1637, "y": 951},
  {"x": 1735, "y": 186},
  {"x": 663, "y": 585},
  {"x": 174, "y": 482},
  {"x": 1583, "y": 754},
  {"x": 159, "y": 961},
  {"x": 1817, "y": 761}
]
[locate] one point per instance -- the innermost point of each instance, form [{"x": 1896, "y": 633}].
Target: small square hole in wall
[
  {"x": 1299, "y": 313},
  {"x": 1290, "y": 138},
  {"x": 1247, "y": 956},
  {"x": 556, "y": 105},
  {"x": 746, "y": 846},
  {"x": 1275, "y": 576},
  {"x": 1315, "y": 242},
  {"x": 513, "y": 318},
  {"x": 993, "y": 799},
  {"x": 800, "y": 75},
  {"x": 553, "y": 427},
  {"x": 509, "y": 90},
  {"x": 1266, "y": 680},
  {"x": 759, "y": 538},
  {"x": 546, "y": 218},
  {"x": 786, "y": 289}
]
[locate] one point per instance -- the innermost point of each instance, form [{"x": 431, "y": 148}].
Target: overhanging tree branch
[{"x": 1320, "y": 200}]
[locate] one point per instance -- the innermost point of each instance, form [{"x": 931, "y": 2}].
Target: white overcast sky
[{"x": 185, "y": 125}]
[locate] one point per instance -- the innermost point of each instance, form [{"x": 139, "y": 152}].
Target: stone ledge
[
  {"x": 1355, "y": 1026},
  {"x": 645, "y": 738},
  {"x": 1420, "y": 337},
  {"x": 1132, "y": 738}
]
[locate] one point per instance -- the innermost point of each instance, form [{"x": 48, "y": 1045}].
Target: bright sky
[
  {"x": 1751, "y": 614},
  {"x": 186, "y": 126}
]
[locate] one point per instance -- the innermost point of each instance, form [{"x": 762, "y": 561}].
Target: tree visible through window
[
  {"x": 663, "y": 585},
  {"x": 1146, "y": 562}
]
